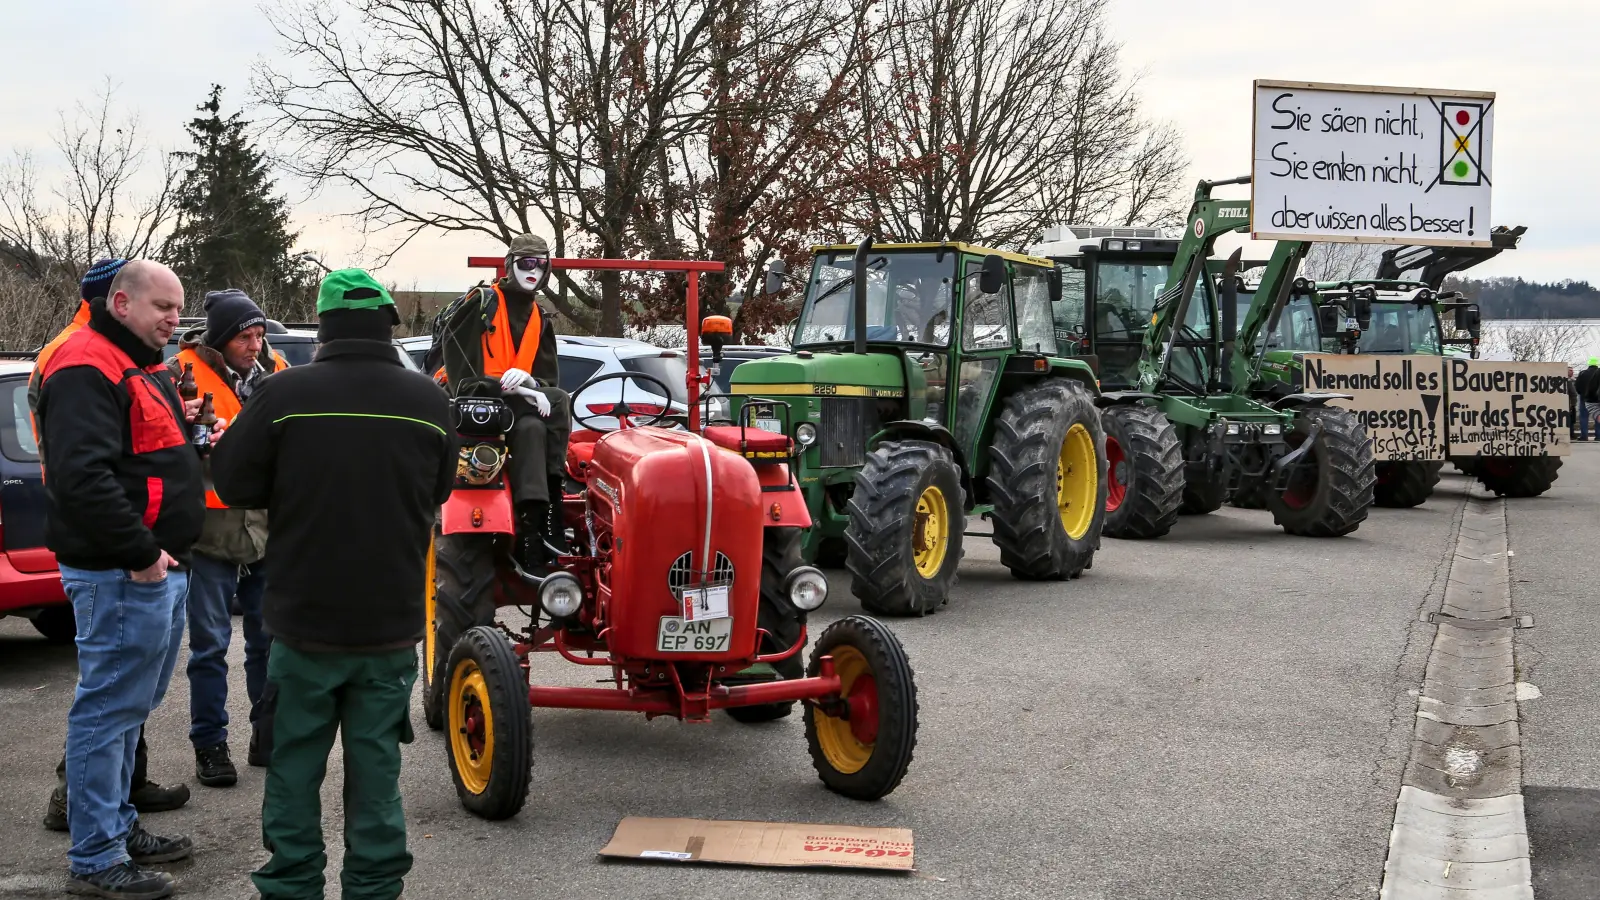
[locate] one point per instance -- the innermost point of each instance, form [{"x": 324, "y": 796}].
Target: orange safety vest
[
  {"x": 79, "y": 319},
  {"x": 499, "y": 352},
  {"x": 223, "y": 400}
]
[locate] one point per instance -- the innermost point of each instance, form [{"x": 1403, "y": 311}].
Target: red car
[{"x": 30, "y": 584}]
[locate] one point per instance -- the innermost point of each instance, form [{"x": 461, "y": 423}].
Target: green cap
[
  {"x": 351, "y": 289},
  {"x": 1594, "y": 360}
]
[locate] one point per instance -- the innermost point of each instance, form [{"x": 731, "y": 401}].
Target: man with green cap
[
  {"x": 351, "y": 456},
  {"x": 1587, "y": 388}
]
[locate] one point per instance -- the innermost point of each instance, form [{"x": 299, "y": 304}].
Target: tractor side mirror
[
  {"x": 1329, "y": 319},
  {"x": 1469, "y": 318},
  {"x": 776, "y": 270},
  {"x": 993, "y": 276},
  {"x": 1361, "y": 308},
  {"x": 1054, "y": 282}
]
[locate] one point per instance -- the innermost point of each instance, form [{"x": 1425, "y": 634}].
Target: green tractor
[
  {"x": 1184, "y": 434},
  {"x": 926, "y": 386}
]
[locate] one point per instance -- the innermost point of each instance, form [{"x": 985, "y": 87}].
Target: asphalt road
[{"x": 1222, "y": 713}]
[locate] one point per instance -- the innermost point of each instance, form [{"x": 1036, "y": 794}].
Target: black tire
[
  {"x": 780, "y": 555},
  {"x": 503, "y": 789},
  {"x": 1403, "y": 484},
  {"x": 1330, "y": 491},
  {"x": 464, "y": 574},
  {"x": 1466, "y": 465},
  {"x": 1146, "y": 481},
  {"x": 1036, "y": 427},
  {"x": 884, "y": 528},
  {"x": 863, "y": 645},
  {"x": 1202, "y": 497},
  {"x": 56, "y": 624},
  {"x": 1518, "y": 476}
]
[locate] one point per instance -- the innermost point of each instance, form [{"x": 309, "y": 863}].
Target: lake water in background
[{"x": 1586, "y": 345}]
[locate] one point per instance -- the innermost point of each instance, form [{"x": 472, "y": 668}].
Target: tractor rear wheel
[
  {"x": 1047, "y": 477},
  {"x": 1518, "y": 476},
  {"x": 1404, "y": 484},
  {"x": 780, "y": 555},
  {"x": 906, "y": 524},
  {"x": 490, "y": 725},
  {"x": 1146, "y": 472},
  {"x": 1330, "y": 489},
  {"x": 861, "y": 743},
  {"x": 1466, "y": 465},
  {"x": 460, "y": 594}
]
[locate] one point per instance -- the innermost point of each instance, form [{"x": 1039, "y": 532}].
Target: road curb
[{"x": 1459, "y": 827}]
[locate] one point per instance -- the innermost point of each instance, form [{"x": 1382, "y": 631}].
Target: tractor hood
[{"x": 824, "y": 373}]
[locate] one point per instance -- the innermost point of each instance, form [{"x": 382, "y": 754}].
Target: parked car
[
  {"x": 30, "y": 583},
  {"x": 584, "y": 359},
  {"x": 416, "y": 347},
  {"x": 298, "y": 343},
  {"x": 733, "y": 355}
]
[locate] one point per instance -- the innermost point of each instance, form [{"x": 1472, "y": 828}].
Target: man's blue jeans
[
  {"x": 213, "y": 583},
  {"x": 129, "y": 634}
]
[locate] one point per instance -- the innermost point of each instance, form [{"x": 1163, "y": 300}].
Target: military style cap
[
  {"x": 528, "y": 245},
  {"x": 351, "y": 289}
]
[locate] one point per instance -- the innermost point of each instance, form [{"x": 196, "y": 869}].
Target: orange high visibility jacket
[
  {"x": 223, "y": 400},
  {"x": 36, "y": 380},
  {"x": 500, "y": 350}
]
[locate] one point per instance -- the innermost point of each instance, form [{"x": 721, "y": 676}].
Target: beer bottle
[
  {"x": 203, "y": 423},
  {"x": 187, "y": 389}
]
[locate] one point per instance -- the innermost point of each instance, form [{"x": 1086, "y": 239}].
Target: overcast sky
[{"x": 1197, "y": 59}]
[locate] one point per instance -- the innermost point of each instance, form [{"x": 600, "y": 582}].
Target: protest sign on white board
[{"x": 1353, "y": 163}]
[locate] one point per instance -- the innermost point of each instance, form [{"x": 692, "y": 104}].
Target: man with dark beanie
[
  {"x": 228, "y": 357},
  {"x": 351, "y": 455}
]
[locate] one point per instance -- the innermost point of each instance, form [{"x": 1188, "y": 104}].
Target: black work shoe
[
  {"x": 122, "y": 882},
  {"x": 213, "y": 767},
  {"x": 55, "y": 813},
  {"x": 260, "y": 754},
  {"x": 153, "y": 798},
  {"x": 147, "y": 848}
]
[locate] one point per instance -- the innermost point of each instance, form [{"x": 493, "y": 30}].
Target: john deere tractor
[
  {"x": 1184, "y": 431},
  {"x": 926, "y": 386}
]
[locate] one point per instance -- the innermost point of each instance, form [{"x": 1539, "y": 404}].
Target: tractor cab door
[{"x": 988, "y": 336}]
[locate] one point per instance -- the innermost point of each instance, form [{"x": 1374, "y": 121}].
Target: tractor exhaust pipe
[{"x": 859, "y": 289}]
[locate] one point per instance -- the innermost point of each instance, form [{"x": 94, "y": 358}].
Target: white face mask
[{"x": 527, "y": 280}]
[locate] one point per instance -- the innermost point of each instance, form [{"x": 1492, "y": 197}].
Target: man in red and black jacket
[{"x": 126, "y": 504}]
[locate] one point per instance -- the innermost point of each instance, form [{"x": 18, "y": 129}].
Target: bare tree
[
  {"x": 1537, "y": 340},
  {"x": 1340, "y": 261},
  {"x": 109, "y": 199}
]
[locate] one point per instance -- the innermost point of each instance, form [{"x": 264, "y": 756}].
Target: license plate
[
  {"x": 700, "y": 604},
  {"x": 678, "y": 636},
  {"x": 773, "y": 425}
]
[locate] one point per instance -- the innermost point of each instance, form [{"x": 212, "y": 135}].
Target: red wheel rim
[
  {"x": 863, "y": 704},
  {"x": 1117, "y": 468}
]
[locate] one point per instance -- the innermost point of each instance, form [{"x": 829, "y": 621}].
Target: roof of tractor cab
[{"x": 958, "y": 246}]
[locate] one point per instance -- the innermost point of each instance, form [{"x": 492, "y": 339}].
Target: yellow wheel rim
[
  {"x": 930, "y": 537},
  {"x": 840, "y": 746},
  {"x": 1077, "y": 481},
  {"x": 429, "y": 611},
  {"x": 471, "y": 726}
]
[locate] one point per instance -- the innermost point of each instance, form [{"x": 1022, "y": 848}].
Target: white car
[{"x": 586, "y": 358}]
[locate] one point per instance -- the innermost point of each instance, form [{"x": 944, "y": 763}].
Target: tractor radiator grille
[
  {"x": 683, "y": 574},
  {"x": 843, "y": 432}
]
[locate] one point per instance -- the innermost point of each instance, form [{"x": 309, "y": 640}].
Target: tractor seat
[
  {"x": 754, "y": 440},
  {"x": 580, "y": 450}
]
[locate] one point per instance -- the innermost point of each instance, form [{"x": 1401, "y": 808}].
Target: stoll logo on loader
[{"x": 1233, "y": 212}]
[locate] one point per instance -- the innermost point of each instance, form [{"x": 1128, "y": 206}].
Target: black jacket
[
  {"x": 1588, "y": 384},
  {"x": 352, "y": 456},
  {"x": 123, "y": 481}
]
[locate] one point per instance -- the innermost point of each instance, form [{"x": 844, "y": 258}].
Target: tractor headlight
[
  {"x": 1233, "y": 427},
  {"x": 807, "y": 588},
  {"x": 1272, "y": 429},
  {"x": 560, "y": 595},
  {"x": 805, "y": 434}
]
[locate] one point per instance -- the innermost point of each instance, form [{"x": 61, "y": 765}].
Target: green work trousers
[{"x": 365, "y": 698}]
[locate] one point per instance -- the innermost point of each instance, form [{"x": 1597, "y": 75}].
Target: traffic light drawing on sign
[{"x": 1460, "y": 143}]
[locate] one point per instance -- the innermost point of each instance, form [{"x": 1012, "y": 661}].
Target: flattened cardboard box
[{"x": 761, "y": 843}]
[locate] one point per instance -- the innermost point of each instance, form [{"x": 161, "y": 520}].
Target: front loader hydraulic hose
[{"x": 858, "y": 270}]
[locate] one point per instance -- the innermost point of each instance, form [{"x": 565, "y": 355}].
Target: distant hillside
[{"x": 1513, "y": 298}]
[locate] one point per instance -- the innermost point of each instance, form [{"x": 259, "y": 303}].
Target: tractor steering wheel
[{"x": 620, "y": 411}]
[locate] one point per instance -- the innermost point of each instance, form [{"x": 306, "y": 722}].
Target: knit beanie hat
[
  {"x": 96, "y": 282},
  {"x": 228, "y": 313}
]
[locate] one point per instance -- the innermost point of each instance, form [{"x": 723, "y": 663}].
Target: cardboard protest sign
[
  {"x": 761, "y": 843},
  {"x": 1399, "y": 400},
  {"x": 1354, "y": 163},
  {"x": 1506, "y": 408}
]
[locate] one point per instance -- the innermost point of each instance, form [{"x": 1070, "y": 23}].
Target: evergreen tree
[{"x": 232, "y": 231}]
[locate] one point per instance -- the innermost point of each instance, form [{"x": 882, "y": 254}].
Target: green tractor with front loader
[
  {"x": 926, "y": 387},
  {"x": 1161, "y": 323}
]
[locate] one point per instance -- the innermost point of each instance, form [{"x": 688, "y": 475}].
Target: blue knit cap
[{"x": 97, "y": 281}]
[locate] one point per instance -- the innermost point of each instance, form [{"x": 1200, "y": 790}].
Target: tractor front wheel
[
  {"x": 861, "y": 742},
  {"x": 1404, "y": 484},
  {"x": 1146, "y": 472},
  {"x": 780, "y": 555},
  {"x": 460, "y": 594},
  {"x": 1330, "y": 488},
  {"x": 490, "y": 725},
  {"x": 1517, "y": 476},
  {"x": 906, "y": 524}
]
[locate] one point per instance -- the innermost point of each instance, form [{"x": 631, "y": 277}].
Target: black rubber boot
[
  {"x": 153, "y": 798},
  {"x": 533, "y": 526},
  {"x": 55, "y": 812}
]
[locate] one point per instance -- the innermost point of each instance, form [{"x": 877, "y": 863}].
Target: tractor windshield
[
  {"x": 1125, "y": 295},
  {"x": 1402, "y": 328},
  {"x": 908, "y": 299}
]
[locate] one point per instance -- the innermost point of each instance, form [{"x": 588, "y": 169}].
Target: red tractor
[{"x": 683, "y": 579}]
